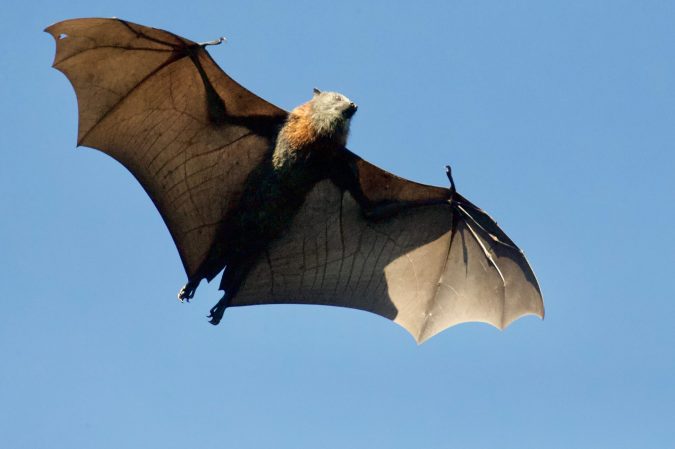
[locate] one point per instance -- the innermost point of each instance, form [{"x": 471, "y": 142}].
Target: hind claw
[
  {"x": 187, "y": 292},
  {"x": 217, "y": 311}
]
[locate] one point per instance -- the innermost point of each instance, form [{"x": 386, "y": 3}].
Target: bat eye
[{"x": 337, "y": 97}]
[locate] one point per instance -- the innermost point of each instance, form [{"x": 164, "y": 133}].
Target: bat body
[
  {"x": 306, "y": 150},
  {"x": 276, "y": 199}
]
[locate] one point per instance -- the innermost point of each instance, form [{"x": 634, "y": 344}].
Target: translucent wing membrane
[
  {"x": 158, "y": 104},
  {"x": 192, "y": 136},
  {"x": 427, "y": 268}
]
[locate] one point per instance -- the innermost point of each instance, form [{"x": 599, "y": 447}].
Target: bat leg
[
  {"x": 188, "y": 291},
  {"x": 233, "y": 277},
  {"x": 217, "y": 311}
]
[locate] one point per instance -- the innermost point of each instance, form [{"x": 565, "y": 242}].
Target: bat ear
[{"x": 316, "y": 91}]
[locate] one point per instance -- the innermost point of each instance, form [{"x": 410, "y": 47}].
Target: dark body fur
[{"x": 303, "y": 155}]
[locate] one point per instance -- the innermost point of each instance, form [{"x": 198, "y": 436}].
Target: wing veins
[
  {"x": 162, "y": 66},
  {"x": 486, "y": 253},
  {"x": 432, "y": 301},
  {"x": 494, "y": 237}
]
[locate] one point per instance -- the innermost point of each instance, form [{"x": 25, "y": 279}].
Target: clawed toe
[
  {"x": 217, "y": 311},
  {"x": 187, "y": 292}
]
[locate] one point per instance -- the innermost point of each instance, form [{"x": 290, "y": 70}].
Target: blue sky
[{"x": 557, "y": 117}]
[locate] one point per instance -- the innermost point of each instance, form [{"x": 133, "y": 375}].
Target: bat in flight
[{"x": 275, "y": 199}]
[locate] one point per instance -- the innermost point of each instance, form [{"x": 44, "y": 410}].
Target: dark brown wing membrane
[
  {"x": 379, "y": 185},
  {"x": 426, "y": 268},
  {"x": 159, "y": 104}
]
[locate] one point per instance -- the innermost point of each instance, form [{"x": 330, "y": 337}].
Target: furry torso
[
  {"x": 311, "y": 130},
  {"x": 276, "y": 190}
]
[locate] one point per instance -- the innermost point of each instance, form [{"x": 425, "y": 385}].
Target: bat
[{"x": 275, "y": 200}]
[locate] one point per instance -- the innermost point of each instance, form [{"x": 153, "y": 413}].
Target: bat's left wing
[{"x": 433, "y": 263}]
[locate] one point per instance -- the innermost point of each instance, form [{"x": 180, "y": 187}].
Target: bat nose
[{"x": 351, "y": 110}]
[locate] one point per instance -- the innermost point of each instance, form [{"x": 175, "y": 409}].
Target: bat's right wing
[
  {"x": 159, "y": 104},
  {"x": 426, "y": 267}
]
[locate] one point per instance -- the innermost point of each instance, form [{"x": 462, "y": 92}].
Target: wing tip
[
  {"x": 54, "y": 28},
  {"x": 53, "y": 32},
  {"x": 538, "y": 313}
]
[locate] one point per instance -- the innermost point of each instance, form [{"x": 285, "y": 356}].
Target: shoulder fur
[{"x": 299, "y": 129}]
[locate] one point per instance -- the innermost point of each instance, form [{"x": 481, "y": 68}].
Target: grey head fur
[{"x": 331, "y": 114}]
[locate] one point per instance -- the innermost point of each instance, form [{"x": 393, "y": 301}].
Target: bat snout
[{"x": 351, "y": 110}]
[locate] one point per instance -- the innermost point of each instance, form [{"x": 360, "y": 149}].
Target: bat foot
[
  {"x": 217, "y": 311},
  {"x": 188, "y": 291}
]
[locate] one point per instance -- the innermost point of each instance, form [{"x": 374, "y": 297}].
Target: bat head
[{"x": 331, "y": 112}]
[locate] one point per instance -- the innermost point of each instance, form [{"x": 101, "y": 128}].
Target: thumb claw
[{"x": 448, "y": 172}]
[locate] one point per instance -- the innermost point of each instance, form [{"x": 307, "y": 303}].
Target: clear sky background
[{"x": 558, "y": 118}]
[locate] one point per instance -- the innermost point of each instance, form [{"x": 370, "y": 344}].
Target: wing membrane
[
  {"x": 427, "y": 268},
  {"x": 158, "y": 104}
]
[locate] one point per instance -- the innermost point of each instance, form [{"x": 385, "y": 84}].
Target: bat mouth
[{"x": 350, "y": 111}]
